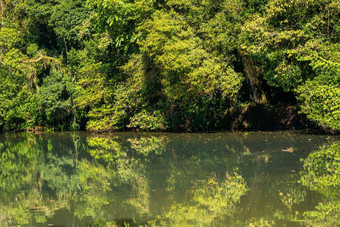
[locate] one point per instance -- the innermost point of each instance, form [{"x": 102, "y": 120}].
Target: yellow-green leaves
[
  {"x": 175, "y": 63},
  {"x": 180, "y": 57},
  {"x": 9, "y": 38},
  {"x": 321, "y": 103},
  {"x": 287, "y": 76}
]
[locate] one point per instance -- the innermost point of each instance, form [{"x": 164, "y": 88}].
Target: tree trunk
[
  {"x": 2, "y": 10},
  {"x": 2, "y": 13},
  {"x": 253, "y": 77}
]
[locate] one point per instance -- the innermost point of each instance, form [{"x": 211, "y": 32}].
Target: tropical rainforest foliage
[{"x": 165, "y": 64}]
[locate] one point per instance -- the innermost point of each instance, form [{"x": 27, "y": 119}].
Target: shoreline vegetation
[
  {"x": 172, "y": 65},
  {"x": 249, "y": 118}
]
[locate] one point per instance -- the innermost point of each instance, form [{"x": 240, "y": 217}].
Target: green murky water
[{"x": 157, "y": 179}]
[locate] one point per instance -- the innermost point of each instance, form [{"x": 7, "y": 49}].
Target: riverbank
[
  {"x": 254, "y": 117},
  {"x": 268, "y": 118}
]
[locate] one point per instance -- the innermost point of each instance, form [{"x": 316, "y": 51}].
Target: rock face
[{"x": 264, "y": 117}]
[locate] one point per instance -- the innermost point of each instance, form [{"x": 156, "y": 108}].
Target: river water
[{"x": 156, "y": 179}]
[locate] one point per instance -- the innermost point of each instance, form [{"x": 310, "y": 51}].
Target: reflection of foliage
[
  {"x": 140, "y": 196},
  {"x": 156, "y": 178},
  {"x": 20, "y": 168},
  {"x": 146, "y": 145},
  {"x": 261, "y": 223},
  {"x": 322, "y": 174},
  {"x": 292, "y": 196},
  {"x": 129, "y": 170},
  {"x": 105, "y": 148},
  {"x": 327, "y": 214},
  {"x": 211, "y": 200},
  {"x": 121, "y": 169},
  {"x": 41, "y": 175},
  {"x": 111, "y": 148},
  {"x": 95, "y": 182},
  {"x": 322, "y": 171}
]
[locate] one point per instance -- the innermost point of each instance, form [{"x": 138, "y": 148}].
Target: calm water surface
[{"x": 156, "y": 179}]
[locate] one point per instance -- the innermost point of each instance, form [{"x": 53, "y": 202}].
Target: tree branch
[{"x": 42, "y": 58}]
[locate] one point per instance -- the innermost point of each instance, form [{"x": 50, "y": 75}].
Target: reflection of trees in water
[
  {"x": 211, "y": 200},
  {"x": 291, "y": 196},
  {"x": 40, "y": 175},
  {"x": 18, "y": 169},
  {"x": 106, "y": 178},
  {"x": 129, "y": 158},
  {"x": 29, "y": 165},
  {"x": 147, "y": 145},
  {"x": 322, "y": 174}
]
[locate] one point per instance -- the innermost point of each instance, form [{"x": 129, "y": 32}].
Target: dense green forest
[{"x": 165, "y": 64}]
